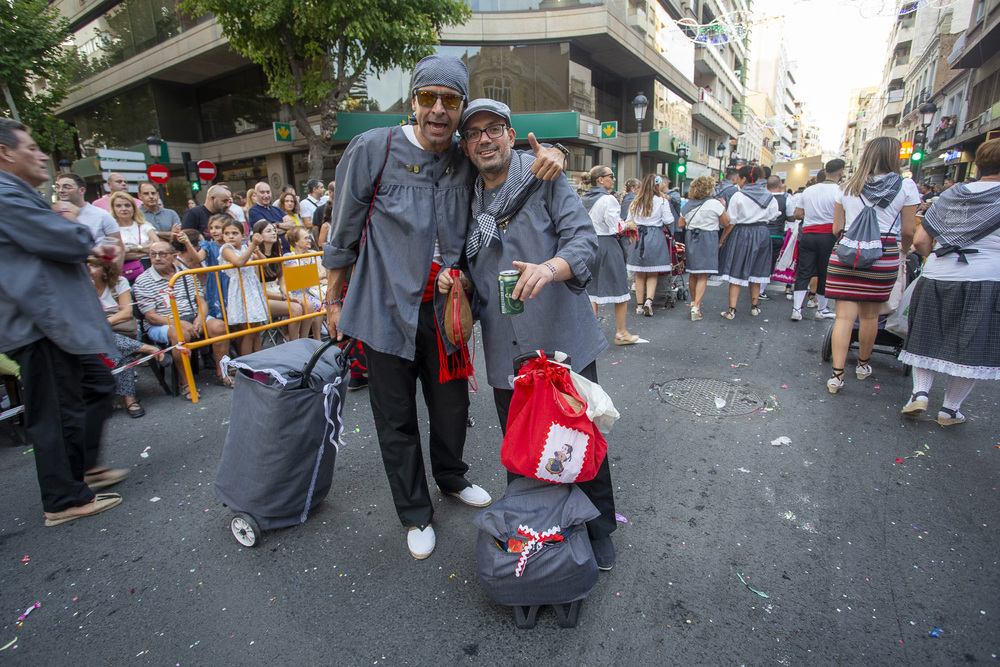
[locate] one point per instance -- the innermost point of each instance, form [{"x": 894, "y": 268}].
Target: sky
[{"x": 837, "y": 46}]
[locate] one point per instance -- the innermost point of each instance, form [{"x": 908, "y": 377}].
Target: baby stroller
[
  {"x": 284, "y": 431},
  {"x": 676, "y": 286},
  {"x": 886, "y": 342}
]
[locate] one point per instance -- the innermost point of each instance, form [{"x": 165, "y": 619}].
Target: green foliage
[
  {"x": 314, "y": 52},
  {"x": 36, "y": 68}
]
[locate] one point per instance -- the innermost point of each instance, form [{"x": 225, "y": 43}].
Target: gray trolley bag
[
  {"x": 533, "y": 549},
  {"x": 284, "y": 431}
]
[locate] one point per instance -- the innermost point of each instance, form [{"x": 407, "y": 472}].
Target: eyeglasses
[
  {"x": 67, "y": 187},
  {"x": 608, "y": 175},
  {"x": 160, "y": 254},
  {"x": 493, "y": 132},
  {"x": 427, "y": 98}
]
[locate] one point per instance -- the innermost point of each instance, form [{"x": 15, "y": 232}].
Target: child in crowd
[
  {"x": 245, "y": 301},
  {"x": 217, "y": 284},
  {"x": 301, "y": 242},
  {"x": 274, "y": 283}
]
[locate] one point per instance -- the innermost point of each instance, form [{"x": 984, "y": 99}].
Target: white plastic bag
[
  {"x": 899, "y": 321},
  {"x": 600, "y": 409},
  {"x": 897, "y": 290}
]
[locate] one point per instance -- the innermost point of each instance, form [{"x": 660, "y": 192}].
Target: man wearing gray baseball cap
[
  {"x": 542, "y": 230},
  {"x": 400, "y": 214}
]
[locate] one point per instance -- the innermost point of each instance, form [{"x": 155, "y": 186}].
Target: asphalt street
[{"x": 864, "y": 539}]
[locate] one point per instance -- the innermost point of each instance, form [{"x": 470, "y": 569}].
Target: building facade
[{"x": 567, "y": 72}]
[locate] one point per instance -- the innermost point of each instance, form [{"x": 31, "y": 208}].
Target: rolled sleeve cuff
[
  {"x": 338, "y": 258},
  {"x": 581, "y": 271}
]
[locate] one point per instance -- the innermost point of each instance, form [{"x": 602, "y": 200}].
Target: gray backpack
[
  {"x": 861, "y": 244},
  {"x": 533, "y": 546}
]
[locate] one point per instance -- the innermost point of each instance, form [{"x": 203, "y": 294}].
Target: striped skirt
[{"x": 873, "y": 284}]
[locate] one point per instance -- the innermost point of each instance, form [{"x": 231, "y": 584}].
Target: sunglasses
[{"x": 451, "y": 101}]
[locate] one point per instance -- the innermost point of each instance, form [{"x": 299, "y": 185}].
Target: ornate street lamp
[
  {"x": 720, "y": 152},
  {"x": 153, "y": 143},
  {"x": 639, "y": 105}
]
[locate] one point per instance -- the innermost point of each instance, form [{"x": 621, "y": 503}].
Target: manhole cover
[{"x": 714, "y": 398}]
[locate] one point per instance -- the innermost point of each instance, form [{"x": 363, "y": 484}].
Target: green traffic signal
[
  {"x": 195, "y": 186},
  {"x": 681, "y": 168},
  {"x": 917, "y": 156}
]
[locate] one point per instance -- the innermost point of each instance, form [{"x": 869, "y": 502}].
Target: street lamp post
[
  {"x": 639, "y": 104},
  {"x": 155, "y": 147},
  {"x": 720, "y": 151},
  {"x": 927, "y": 111}
]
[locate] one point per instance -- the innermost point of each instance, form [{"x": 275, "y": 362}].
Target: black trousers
[
  {"x": 67, "y": 399},
  {"x": 600, "y": 489},
  {"x": 393, "y": 393},
  {"x": 776, "y": 243},
  {"x": 814, "y": 257}
]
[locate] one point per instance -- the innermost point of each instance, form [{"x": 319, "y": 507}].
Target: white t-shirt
[
  {"x": 745, "y": 211},
  {"x": 99, "y": 222},
  {"x": 109, "y": 299},
  {"x": 982, "y": 265},
  {"x": 661, "y": 214},
  {"x": 136, "y": 234},
  {"x": 908, "y": 195},
  {"x": 606, "y": 214},
  {"x": 706, "y": 217},
  {"x": 817, "y": 204},
  {"x": 237, "y": 213}
]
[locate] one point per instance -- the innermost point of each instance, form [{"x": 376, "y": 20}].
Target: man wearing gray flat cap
[
  {"x": 400, "y": 215},
  {"x": 542, "y": 230}
]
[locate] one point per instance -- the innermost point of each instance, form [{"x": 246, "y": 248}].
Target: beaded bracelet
[
  {"x": 551, "y": 268},
  {"x": 335, "y": 302}
]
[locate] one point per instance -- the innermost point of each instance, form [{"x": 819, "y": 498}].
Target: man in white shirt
[
  {"x": 71, "y": 188},
  {"x": 816, "y": 240},
  {"x": 115, "y": 183},
  {"x": 315, "y": 198}
]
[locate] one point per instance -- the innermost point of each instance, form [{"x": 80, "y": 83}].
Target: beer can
[{"x": 509, "y": 305}]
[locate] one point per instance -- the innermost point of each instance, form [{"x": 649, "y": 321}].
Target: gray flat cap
[{"x": 484, "y": 104}]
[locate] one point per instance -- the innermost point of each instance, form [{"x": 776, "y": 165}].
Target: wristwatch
[{"x": 565, "y": 151}]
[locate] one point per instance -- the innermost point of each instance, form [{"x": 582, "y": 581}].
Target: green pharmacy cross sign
[
  {"x": 283, "y": 132},
  {"x": 609, "y": 129}
]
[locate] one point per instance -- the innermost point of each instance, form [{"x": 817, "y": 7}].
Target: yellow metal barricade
[{"x": 298, "y": 278}]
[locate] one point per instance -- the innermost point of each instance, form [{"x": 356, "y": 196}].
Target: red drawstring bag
[{"x": 549, "y": 436}]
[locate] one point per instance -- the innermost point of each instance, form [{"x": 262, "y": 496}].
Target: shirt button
[
  {"x": 435, "y": 183},
  {"x": 513, "y": 342},
  {"x": 435, "y": 158}
]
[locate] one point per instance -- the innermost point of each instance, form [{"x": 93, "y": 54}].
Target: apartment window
[
  {"x": 117, "y": 122},
  {"x": 235, "y": 104}
]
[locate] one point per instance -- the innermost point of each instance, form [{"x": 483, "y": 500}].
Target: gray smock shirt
[
  {"x": 46, "y": 291},
  {"x": 422, "y": 196},
  {"x": 552, "y": 223}
]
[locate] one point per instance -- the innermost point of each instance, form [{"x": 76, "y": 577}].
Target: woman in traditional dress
[
  {"x": 650, "y": 253},
  {"x": 702, "y": 217},
  {"x": 610, "y": 280},
  {"x": 745, "y": 246},
  {"x": 861, "y": 292},
  {"x": 954, "y": 320}
]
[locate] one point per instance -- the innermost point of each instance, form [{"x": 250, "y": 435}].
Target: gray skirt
[
  {"x": 650, "y": 253},
  {"x": 955, "y": 328},
  {"x": 746, "y": 255},
  {"x": 609, "y": 283},
  {"x": 701, "y": 251}
]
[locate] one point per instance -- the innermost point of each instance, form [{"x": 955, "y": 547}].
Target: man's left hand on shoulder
[{"x": 548, "y": 165}]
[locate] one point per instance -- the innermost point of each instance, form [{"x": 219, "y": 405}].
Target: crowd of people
[{"x": 466, "y": 206}]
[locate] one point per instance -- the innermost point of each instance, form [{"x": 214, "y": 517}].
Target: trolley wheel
[
  {"x": 245, "y": 529},
  {"x": 827, "y": 351}
]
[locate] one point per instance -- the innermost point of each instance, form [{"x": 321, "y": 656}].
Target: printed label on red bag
[{"x": 563, "y": 455}]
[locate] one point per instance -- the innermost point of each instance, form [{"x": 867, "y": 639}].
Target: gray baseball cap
[{"x": 485, "y": 104}]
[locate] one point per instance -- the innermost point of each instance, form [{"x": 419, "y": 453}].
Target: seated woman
[
  {"x": 116, "y": 299},
  {"x": 301, "y": 242},
  {"x": 137, "y": 234}
]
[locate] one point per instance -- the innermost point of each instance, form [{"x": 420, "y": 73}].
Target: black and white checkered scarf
[
  {"x": 520, "y": 184},
  {"x": 960, "y": 217}
]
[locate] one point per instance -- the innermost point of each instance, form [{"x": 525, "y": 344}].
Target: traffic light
[
  {"x": 682, "y": 160},
  {"x": 919, "y": 137},
  {"x": 195, "y": 187}
]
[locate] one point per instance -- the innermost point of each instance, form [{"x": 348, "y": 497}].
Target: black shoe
[
  {"x": 604, "y": 553},
  {"x": 356, "y": 383}
]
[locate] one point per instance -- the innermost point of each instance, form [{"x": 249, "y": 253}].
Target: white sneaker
[
  {"x": 796, "y": 314},
  {"x": 474, "y": 495},
  {"x": 420, "y": 542},
  {"x": 811, "y": 303},
  {"x": 826, "y": 314}
]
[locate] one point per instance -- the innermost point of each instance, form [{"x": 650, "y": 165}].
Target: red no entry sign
[
  {"x": 206, "y": 170},
  {"x": 158, "y": 173}
]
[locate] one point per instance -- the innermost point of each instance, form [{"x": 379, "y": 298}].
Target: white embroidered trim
[
  {"x": 649, "y": 269},
  {"x": 610, "y": 299},
  {"x": 958, "y": 370},
  {"x": 534, "y": 544},
  {"x": 745, "y": 283},
  {"x": 861, "y": 245}
]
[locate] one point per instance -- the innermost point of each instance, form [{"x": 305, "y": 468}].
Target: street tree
[
  {"x": 314, "y": 52},
  {"x": 37, "y": 65}
]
